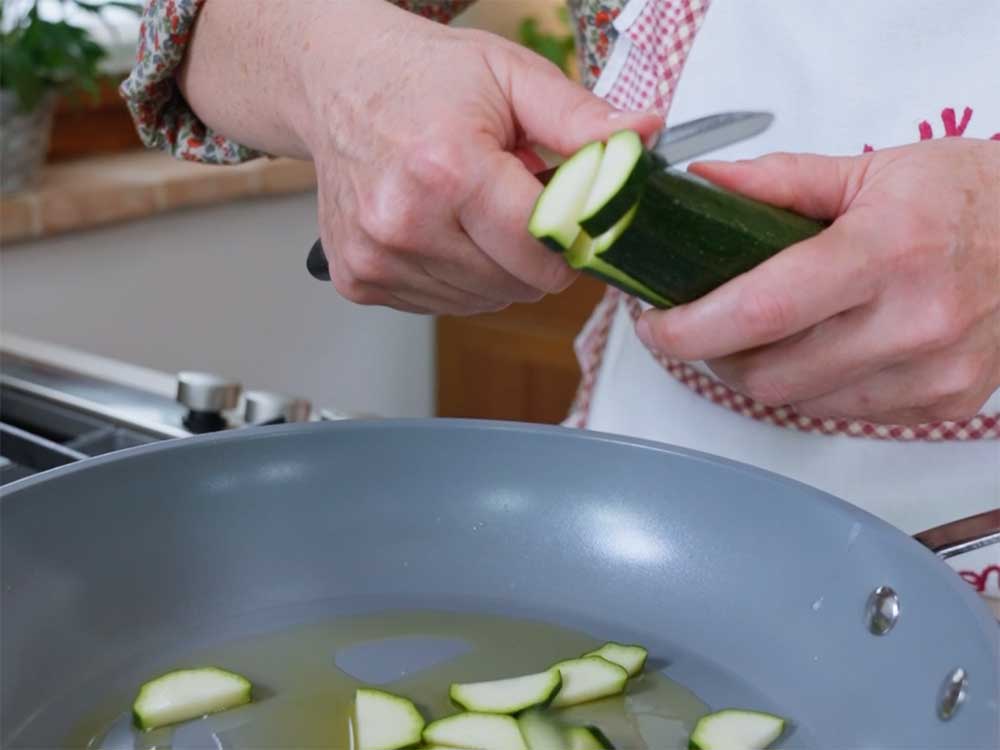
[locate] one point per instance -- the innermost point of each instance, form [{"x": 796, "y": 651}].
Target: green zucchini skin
[
  {"x": 616, "y": 278},
  {"x": 689, "y": 237},
  {"x": 609, "y": 214}
]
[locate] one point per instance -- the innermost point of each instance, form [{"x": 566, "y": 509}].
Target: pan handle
[{"x": 964, "y": 535}]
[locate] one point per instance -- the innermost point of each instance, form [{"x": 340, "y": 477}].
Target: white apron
[{"x": 839, "y": 75}]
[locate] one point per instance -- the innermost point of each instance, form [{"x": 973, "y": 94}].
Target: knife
[{"x": 675, "y": 145}]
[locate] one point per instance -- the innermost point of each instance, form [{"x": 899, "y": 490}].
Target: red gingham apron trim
[
  {"x": 979, "y": 427},
  {"x": 593, "y": 344},
  {"x": 654, "y": 39}
]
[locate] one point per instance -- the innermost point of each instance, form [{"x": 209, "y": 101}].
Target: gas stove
[{"x": 58, "y": 406}]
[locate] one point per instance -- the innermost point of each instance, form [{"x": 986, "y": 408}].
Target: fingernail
[
  {"x": 617, "y": 114},
  {"x": 644, "y": 332}
]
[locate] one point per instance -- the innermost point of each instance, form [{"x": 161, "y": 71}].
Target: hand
[
  {"x": 891, "y": 315},
  {"x": 423, "y": 161}
]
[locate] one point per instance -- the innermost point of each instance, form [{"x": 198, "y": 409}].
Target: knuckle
[
  {"x": 965, "y": 374},
  {"x": 438, "y": 166},
  {"x": 945, "y": 322},
  {"x": 390, "y": 213},
  {"x": 766, "y": 388},
  {"x": 355, "y": 291},
  {"x": 765, "y": 316},
  {"x": 368, "y": 265},
  {"x": 562, "y": 277},
  {"x": 667, "y": 339}
]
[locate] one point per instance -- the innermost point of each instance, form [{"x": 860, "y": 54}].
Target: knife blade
[
  {"x": 675, "y": 144},
  {"x": 696, "y": 137}
]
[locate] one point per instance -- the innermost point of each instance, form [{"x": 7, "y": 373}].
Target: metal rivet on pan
[
  {"x": 952, "y": 693},
  {"x": 883, "y": 610}
]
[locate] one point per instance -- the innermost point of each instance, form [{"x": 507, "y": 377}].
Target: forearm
[
  {"x": 241, "y": 74},
  {"x": 251, "y": 69}
]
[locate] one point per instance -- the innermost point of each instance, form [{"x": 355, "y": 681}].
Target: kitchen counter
[{"x": 106, "y": 189}]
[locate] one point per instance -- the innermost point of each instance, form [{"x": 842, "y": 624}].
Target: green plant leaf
[
  {"x": 39, "y": 56},
  {"x": 558, "y": 48}
]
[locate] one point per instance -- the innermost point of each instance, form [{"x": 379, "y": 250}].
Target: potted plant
[
  {"x": 41, "y": 57},
  {"x": 557, "y": 46}
]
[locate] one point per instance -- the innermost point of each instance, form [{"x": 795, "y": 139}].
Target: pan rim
[{"x": 11, "y": 491}]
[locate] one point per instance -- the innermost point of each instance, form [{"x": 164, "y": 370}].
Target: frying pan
[{"x": 753, "y": 590}]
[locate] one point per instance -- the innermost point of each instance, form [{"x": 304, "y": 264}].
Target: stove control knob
[
  {"x": 206, "y": 396},
  {"x": 261, "y": 407}
]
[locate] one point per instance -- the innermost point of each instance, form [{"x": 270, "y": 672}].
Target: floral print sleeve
[
  {"x": 163, "y": 119},
  {"x": 595, "y": 34}
]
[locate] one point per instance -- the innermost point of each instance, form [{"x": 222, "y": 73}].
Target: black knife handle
[{"x": 316, "y": 261}]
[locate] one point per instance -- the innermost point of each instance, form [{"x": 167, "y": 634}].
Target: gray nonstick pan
[{"x": 749, "y": 589}]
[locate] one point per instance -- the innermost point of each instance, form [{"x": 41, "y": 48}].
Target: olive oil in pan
[{"x": 305, "y": 678}]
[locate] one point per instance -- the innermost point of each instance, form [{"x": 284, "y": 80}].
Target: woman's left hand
[{"x": 891, "y": 315}]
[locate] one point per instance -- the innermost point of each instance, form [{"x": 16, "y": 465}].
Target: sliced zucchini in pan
[
  {"x": 541, "y": 732},
  {"x": 734, "y": 729},
  {"x": 476, "y": 731},
  {"x": 188, "y": 694},
  {"x": 509, "y": 696},
  {"x": 630, "y": 658},
  {"x": 587, "y": 679},
  {"x": 383, "y": 721},
  {"x": 587, "y": 738}
]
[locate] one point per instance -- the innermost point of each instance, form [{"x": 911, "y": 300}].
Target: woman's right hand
[
  {"x": 421, "y": 137},
  {"x": 425, "y": 176}
]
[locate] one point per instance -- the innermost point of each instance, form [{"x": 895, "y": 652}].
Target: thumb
[
  {"x": 562, "y": 115},
  {"x": 821, "y": 187}
]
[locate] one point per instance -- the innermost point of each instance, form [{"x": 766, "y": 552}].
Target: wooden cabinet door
[{"x": 517, "y": 364}]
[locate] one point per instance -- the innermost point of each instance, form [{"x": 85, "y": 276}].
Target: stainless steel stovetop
[{"x": 59, "y": 405}]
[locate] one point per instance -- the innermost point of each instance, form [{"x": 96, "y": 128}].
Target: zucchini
[
  {"x": 509, "y": 696},
  {"x": 630, "y": 658},
  {"x": 683, "y": 238},
  {"x": 587, "y": 679},
  {"x": 555, "y": 218},
  {"x": 587, "y": 738},
  {"x": 383, "y": 721},
  {"x": 476, "y": 731},
  {"x": 188, "y": 694},
  {"x": 621, "y": 179},
  {"x": 584, "y": 255},
  {"x": 541, "y": 732},
  {"x": 734, "y": 729}
]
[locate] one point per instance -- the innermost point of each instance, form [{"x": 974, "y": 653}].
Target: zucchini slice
[
  {"x": 587, "y": 679},
  {"x": 587, "y": 738},
  {"x": 188, "y": 694},
  {"x": 555, "y": 219},
  {"x": 541, "y": 732},
  {"x": 476, "y": 731},
  {"x": 734, "y": 729},
  {"x": 630, "y": 658},
  {"x": 620, "y": 182},
  {"x": 509, "y": 696},
  {"x": 383, "y": 721}
]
